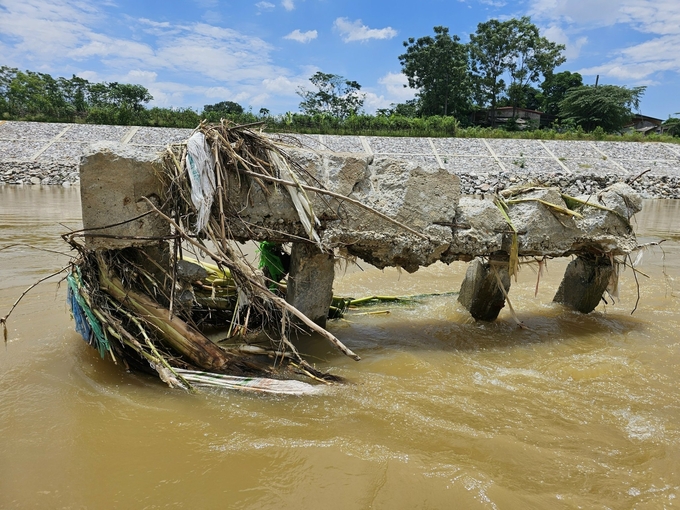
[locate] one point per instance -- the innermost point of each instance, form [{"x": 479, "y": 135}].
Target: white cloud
[
  {"x": 661, "y": 17},
  {"x": 264, "y": 6},
  {"x": 303, "y": 37},
  {"x": 284, "y": 85},
  {"x": 559, "y": 35},
  {"x": 641, "y": 61},
  {"x": 392, "y": 91},
  {"x": 356, "y": 31},
  {"x": 289, "y": 5},
  {"x": 651, "y": 16},
  {"x": 139, "y": 76},
  {"x": 638, "y": 62},
  {"x": 42, "y": 31},
  {"x": 373, "y": 102},
  {"x": 176, "y": 62},
  {"x": 396, "y": 85},
  {"x": 212, "y": 16}
]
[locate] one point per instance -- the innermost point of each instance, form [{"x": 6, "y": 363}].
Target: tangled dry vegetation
[{"x": 149, "y": 306}]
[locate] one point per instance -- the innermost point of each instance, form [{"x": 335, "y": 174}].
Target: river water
[{"x": 574, "y": 412}]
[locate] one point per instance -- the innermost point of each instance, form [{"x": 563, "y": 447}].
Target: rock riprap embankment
[{"x": 48, "y": 154}]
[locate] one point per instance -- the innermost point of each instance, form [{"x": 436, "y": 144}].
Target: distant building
[
  {"x": 645, "y": 124},
  {"x": 522, "y": 116}
]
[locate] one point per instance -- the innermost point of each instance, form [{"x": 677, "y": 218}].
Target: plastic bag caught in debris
[
  {"x": 201, "y": 169},
  {"x": 297, "y": 194}
]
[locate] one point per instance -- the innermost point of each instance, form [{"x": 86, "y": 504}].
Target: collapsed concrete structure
[{"x": 388, "y": 213}]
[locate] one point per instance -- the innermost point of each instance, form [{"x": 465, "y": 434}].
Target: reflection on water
[{"x": 442, "y": 412}]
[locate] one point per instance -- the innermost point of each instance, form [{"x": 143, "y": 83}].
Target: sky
[{"x": 259, "y": 53}]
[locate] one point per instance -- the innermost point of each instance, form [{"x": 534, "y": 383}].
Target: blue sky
[{"x": 258, "y": 53}]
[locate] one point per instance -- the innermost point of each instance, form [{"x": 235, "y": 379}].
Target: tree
[
  {"x": 524, "y": 96},
  {"x": 7, "y": 74},
  {"x": 118, "y": 96},
  {"x": 491, "y": 53},
  {"x": 410, "y": 108},
  {"x": 512, "y": 49},
  {"x": 671, "y": 125},
  {"x": 534, "y": 56},
  {"x": 223, "y": 108},
  {"x": 607, "y": 106},
  {"x": 335, "y": 96},
  {"x": 128, "y": 96},
  {"x": 75, "y": 92},
  {"x": 35, "y": 95},
  {"x": 555, "y": 87},
  {"x": 439, "y": 68}
]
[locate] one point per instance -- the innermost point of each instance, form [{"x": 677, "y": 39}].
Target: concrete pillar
[
  {"x": 310, "y": 281},
  {"x": 113, "y": 180},
  {"x": 479, "y": 292},
  {"x": 584, "y": 282}
]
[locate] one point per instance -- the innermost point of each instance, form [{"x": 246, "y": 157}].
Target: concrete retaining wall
[{"x": 44, "y": 153}]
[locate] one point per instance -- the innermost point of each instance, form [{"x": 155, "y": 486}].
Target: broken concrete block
[
  {"x": 478, "y": 230},
  {"x": 480, "y": 293},
  {"x": 542, "y": 229},
  {"x": 584, "y": 283},
  {"x": 424, "y": 199},
  {"x": 605, "y": 231},
  {"x": 310, "y": 281},
  {"x": 113, "y": 180}
]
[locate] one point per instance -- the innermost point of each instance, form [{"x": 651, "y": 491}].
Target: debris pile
[
  {"x": 159, "y": 264},
  {"x": 140, "y": 290}
]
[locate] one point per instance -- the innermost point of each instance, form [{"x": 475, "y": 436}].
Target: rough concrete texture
[
  {"x": 415, "y": 196},
  {"x": 480, "y": 293},
  {"x": 584, "y": 282},
  {"x": 426, "y": 199},
  {"x": 421, "y": 198},
  {"x": 479, "y": 229},
  {"x": 542, "y": 230},
  {"x": 602, "y": 231},
  {"x": 310, "y": 281},
  {"x": 113, "y": 180}
]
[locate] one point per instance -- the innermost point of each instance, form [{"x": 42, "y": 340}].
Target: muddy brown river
[{"x": 574, "y": 412}]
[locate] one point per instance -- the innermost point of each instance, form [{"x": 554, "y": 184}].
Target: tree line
[
  {"x": 504, "y": 64},
  {"x": 460, "y": 87}
]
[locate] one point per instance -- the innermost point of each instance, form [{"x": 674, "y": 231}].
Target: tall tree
[
  {"x": 491, "y": 53},
  {"x": 607, "y": 106},
  {"x": 334, "y": 96},
  {"x": 554, "y": 88},
  {"x": 438, "y": 67},
  {"x": 76, "y": 94},
  {"x": 535, "y": 56},
  {"x": 510, "y": 49}
]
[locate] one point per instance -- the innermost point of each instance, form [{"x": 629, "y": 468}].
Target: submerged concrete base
[
  {"x": 310, "y": 281},
  {"x": 480, "y": 293},
  {"x": 584, "y": 283}
]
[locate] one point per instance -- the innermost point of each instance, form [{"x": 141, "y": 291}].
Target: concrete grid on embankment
[{"x": 48, "y": 154}]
